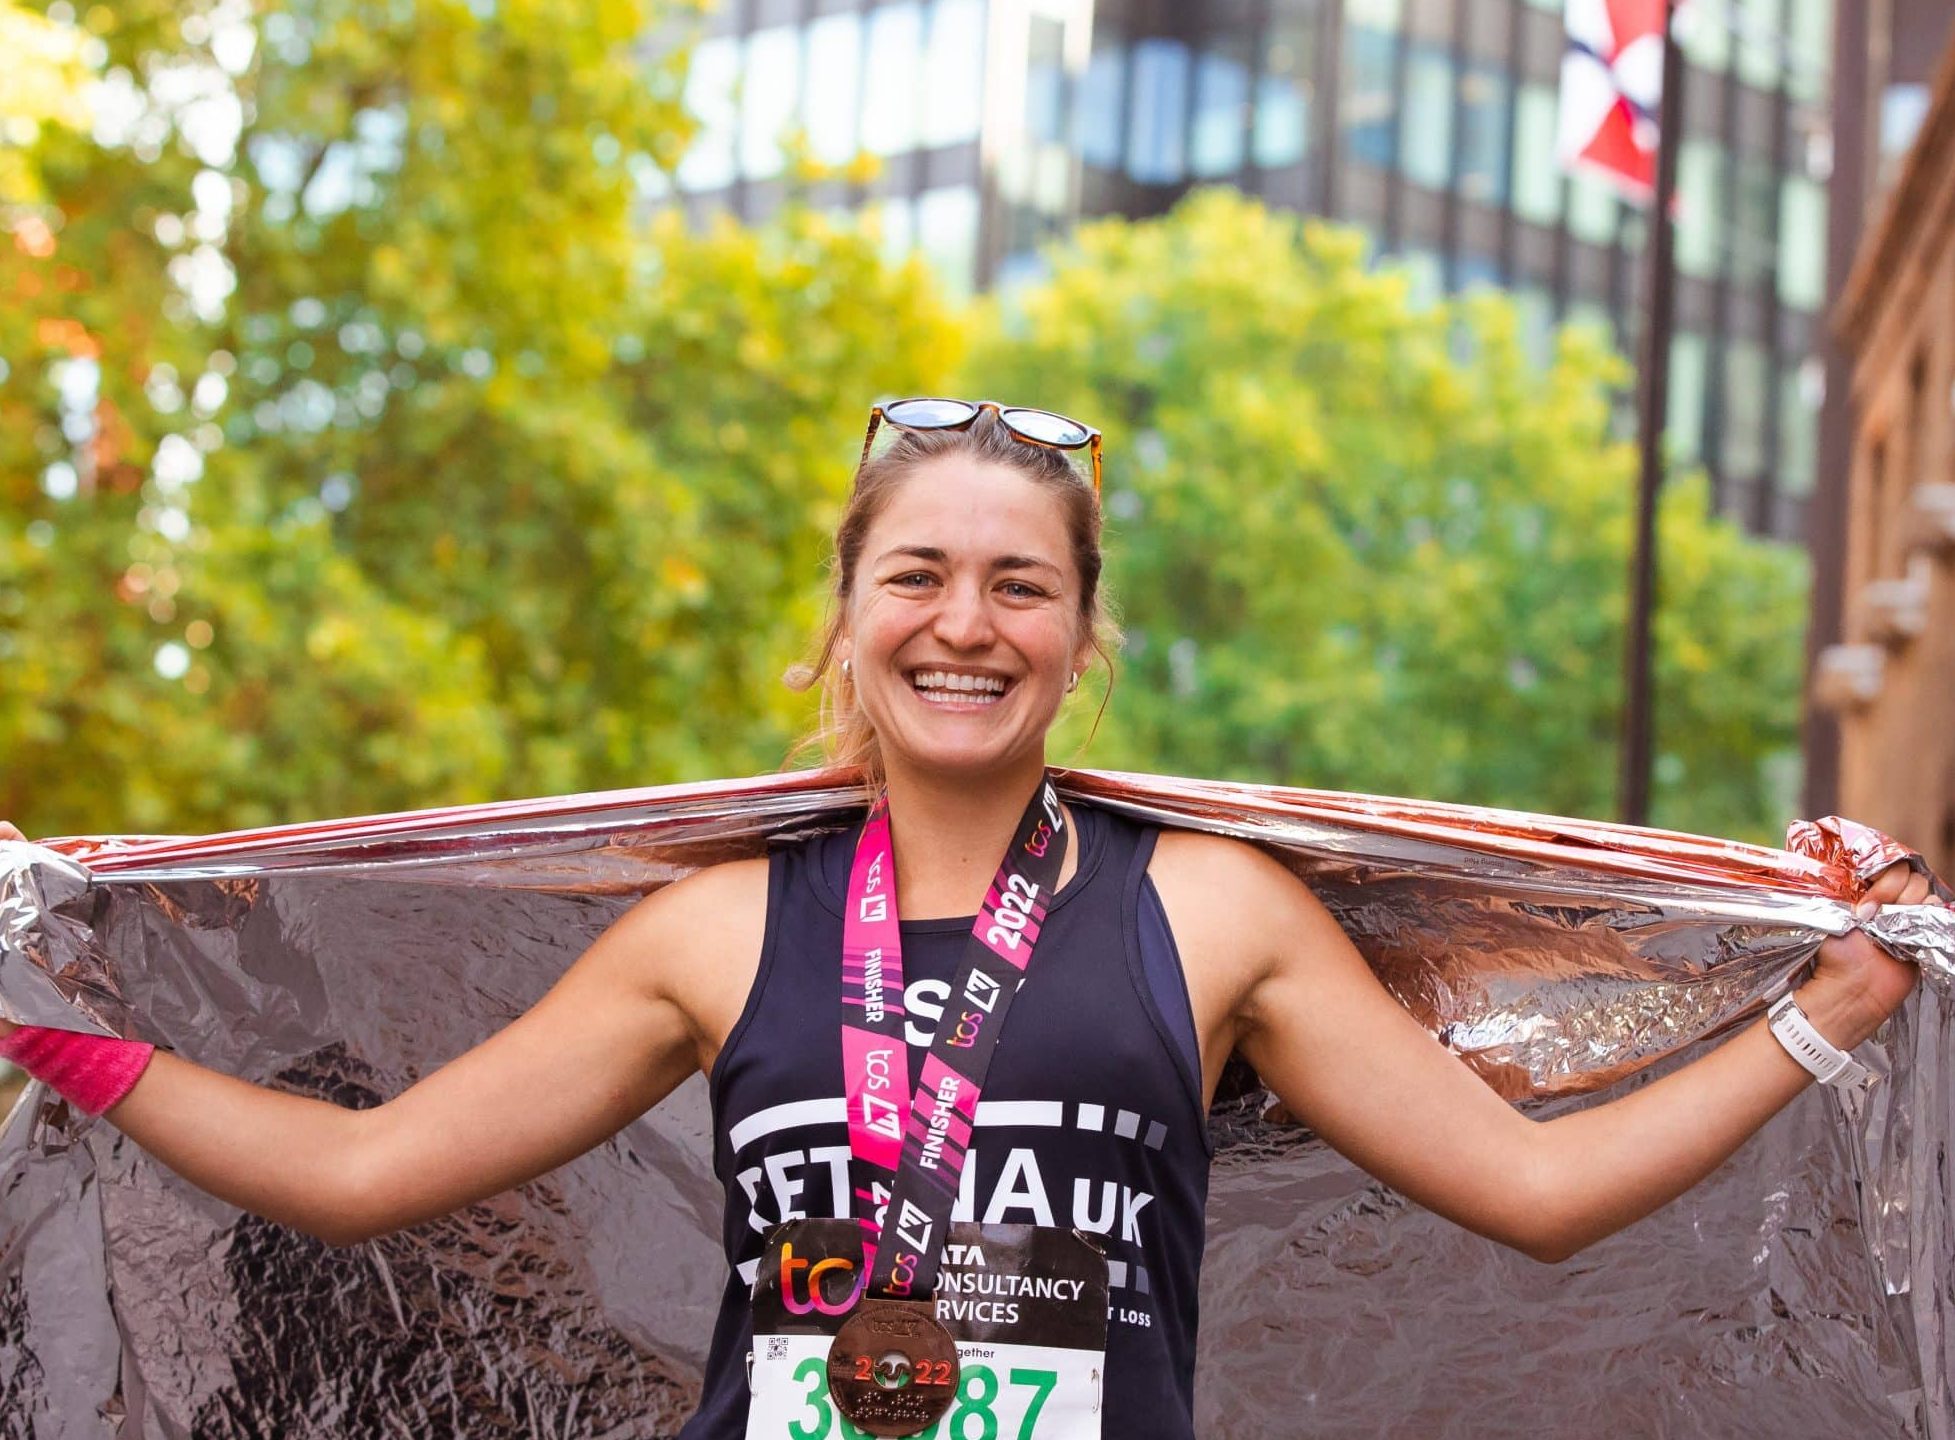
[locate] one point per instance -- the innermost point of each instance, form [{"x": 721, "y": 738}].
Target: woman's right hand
[
  {"x": 8, "y": 832},
  {"x": 648, "y": 1003},
  {"x": 645, "y": 1006}
]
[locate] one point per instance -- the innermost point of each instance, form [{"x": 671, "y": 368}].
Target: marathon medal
[{"x": 893, "y": 1367}]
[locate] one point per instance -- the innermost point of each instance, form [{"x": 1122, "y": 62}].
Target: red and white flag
[{"x": 1611, "y": 91}]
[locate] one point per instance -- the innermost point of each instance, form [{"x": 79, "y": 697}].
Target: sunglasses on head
[{"x": 1034, "y": 427}]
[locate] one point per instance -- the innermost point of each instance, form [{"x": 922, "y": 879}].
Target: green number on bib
[
  {"x": 814, "y": 1369},
  {"x": 975, "y": 1392},
  {"x": 1041, "y": 1382}
]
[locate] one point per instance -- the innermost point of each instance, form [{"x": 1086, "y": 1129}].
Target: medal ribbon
[{"x": 908, "y": 1149}]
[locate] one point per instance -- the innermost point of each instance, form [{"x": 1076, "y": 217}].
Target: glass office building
[{"x": 1430, "y": 124}]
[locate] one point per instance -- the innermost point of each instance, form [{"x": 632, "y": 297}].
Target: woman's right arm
[{"x": 637, "y": 1013}]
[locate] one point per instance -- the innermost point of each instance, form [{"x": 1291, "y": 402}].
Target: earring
[
  {"x": 1072, "y": 684},
  {"x": 845, "y": 670}
]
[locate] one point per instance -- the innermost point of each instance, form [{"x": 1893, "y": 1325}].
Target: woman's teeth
[{"x": 942, "y": 687}]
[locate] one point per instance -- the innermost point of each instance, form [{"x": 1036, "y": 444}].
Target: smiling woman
[
  {"x": 953, "y": 548},
  {"x": 959, "y": 1101}
]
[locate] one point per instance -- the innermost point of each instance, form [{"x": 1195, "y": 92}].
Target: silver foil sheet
[{"x": 1801, "y": 1291}]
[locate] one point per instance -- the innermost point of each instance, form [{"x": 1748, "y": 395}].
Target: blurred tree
[
  {"x": 1364, "y": 545},
  {"x": 366, "y": 438},
  {"x": 46, "y": 74},
  {"x": 371, "y": 438}
]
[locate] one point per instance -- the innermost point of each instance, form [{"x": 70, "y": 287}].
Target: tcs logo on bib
[{"x": 833, "y": 1296}]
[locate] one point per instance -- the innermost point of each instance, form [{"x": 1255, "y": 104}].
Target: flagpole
[{"x": 1652, "y": 406}]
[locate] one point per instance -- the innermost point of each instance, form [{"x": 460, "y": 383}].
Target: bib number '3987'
[{"x": 1027, "y": 1306}]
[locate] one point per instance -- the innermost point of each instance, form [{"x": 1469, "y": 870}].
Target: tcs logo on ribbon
[{"x": 1053, "y": 823}]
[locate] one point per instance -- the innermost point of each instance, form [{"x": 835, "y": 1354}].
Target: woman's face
[{"x": 963, "y": 628}]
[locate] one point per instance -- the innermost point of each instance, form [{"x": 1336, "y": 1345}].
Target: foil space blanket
[{"x": 1801, "y": 1291}]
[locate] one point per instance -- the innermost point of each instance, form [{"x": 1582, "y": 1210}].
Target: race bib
[{"x": 1026, "y": 1304}]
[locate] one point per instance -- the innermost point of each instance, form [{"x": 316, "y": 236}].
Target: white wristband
[{"x": 1827, "y": 1063}]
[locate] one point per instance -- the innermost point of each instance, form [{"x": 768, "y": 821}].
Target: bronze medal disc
[{"x": 893, "y": 1367}]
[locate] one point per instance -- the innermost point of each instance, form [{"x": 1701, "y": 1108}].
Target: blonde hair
[{"x": 843, "y": 734}]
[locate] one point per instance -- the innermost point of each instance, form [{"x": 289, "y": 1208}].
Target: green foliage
[
  {"x": 482, "y": 479},
  {"x": 1366, "y": 546},
  {"x": 370, "y": 438}
]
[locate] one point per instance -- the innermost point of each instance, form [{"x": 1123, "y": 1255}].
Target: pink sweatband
[{"x": 90, "y": 1072}]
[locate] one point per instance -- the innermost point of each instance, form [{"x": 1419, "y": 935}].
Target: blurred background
[{"x": 409, "y": 402}]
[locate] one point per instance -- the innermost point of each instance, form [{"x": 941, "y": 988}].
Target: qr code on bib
[{"x": 777, "y": 1347}]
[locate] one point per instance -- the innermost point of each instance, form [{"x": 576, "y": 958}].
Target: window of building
[
  {"x": 947, "y": 234},
  {"x": 1379, "y": 14},
  {"x": 1051, "y": 191},
  {"x": 1704, "y": 34},
  {"x": 953, "y": 72},
  {"x": 1365, "y": 110},
  {"x": 1022, "y": 231},
  {"x": 1535, "y": 307},
  {"x": 1045, "y": 80},
  {"x": 1809, "y": 47},
  {"x": 1591, "y": 208},
  {"x": 832, "y": 86},
  {"x": 1473, "y": 270},
  {"x": 1690, "y": 374},
  {"x": 1741, "y": 433},
  {"x": 1426, "y": 141},
  {"x": 1156, "y": 128},
  {"x": 1483, "y": 134},
  {"x": 1867, "y": 537},
  {"x": 1802, "y": 243},
  {"x": 890, "y": 84},
  {"x": 895, "y": 217},
  {"x": 1215, "y": 144},
  {"x": 1021, "y": 268},
  {"x": 1425, "y": 273},
  {"x": 1759, "y": 41},
  {"x": 1632, "y": 227},
  {"x": 767, "y": 99},
  {"x": 1754, "y": 219},
  {"x": 710, "y": 80},
  {"x": 1096, "y": 122},
  {"x": 1282, "y": 124},
  {"x": 1537, "y": 174},
  {"x": 1902, "y": 109},
  {"x": 1798, "y": 459},
  {"x": 1700, "y": 207}
]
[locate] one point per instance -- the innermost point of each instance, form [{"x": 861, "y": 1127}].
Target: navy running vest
[{"x": 1091, "y": 1116}]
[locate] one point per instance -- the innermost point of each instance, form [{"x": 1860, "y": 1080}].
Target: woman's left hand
[{"x": 1857, "y": 984}]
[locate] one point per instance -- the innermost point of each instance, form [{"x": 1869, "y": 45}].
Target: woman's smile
[{"x": 949, "y": 688}]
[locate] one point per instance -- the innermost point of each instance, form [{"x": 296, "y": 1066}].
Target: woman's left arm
[
  {"x": 1615, "y": 1163},
  {"x": 1343, "y": 1055}
]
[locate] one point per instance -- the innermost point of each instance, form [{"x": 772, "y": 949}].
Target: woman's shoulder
[
  {"x": 697, "y": 943},
  {"x": 730, "y": 888},
  {"x": 1220, "y": 883},
  {"x": 716, "y": 907},
  {"x": 1217, "y": 859}
]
